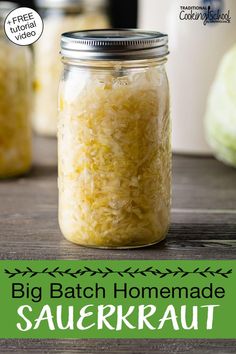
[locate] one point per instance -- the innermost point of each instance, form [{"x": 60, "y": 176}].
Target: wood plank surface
[{"x": 203, "y": 227}]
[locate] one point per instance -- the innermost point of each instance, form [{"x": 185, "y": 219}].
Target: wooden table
[{"x": 203, "y": 227}]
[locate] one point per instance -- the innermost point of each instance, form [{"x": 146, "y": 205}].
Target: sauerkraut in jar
[
  {"x": 59, "y": 16},
  {"x": 15, "y": 103},
  {"x": 114, "y": 139}
]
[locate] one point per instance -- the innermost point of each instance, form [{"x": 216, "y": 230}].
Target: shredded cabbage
[
  {"x": 114, "y": 157},
  {"x": 48, "y": 66},
  {"x": 15, "y": 109}
]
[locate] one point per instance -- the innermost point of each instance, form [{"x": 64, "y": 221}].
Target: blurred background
[
  {"x": 123, "y": 13},
  {"x": 201, "y": 66}
]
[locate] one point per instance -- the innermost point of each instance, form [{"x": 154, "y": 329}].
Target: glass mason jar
[
  {"x": 59, "y": 16},
  {"x": 15, "y": 103},
  {"x": 114, "y": 138}
]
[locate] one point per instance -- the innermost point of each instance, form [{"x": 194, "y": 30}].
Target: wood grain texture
[
  {"x": 203, "y": 227},
  {"x": 119, "y": 346}
]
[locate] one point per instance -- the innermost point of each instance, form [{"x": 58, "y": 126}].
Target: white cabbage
[{"x": 221, "y": 111}]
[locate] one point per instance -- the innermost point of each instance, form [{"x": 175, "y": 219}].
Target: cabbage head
[{"x": 220, "y": 120}]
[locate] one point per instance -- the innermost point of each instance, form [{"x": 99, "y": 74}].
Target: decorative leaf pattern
[{"x": 208, "y": 272}]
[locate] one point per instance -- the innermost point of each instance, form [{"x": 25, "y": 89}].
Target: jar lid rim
[{"x": 114, "y": 44}]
